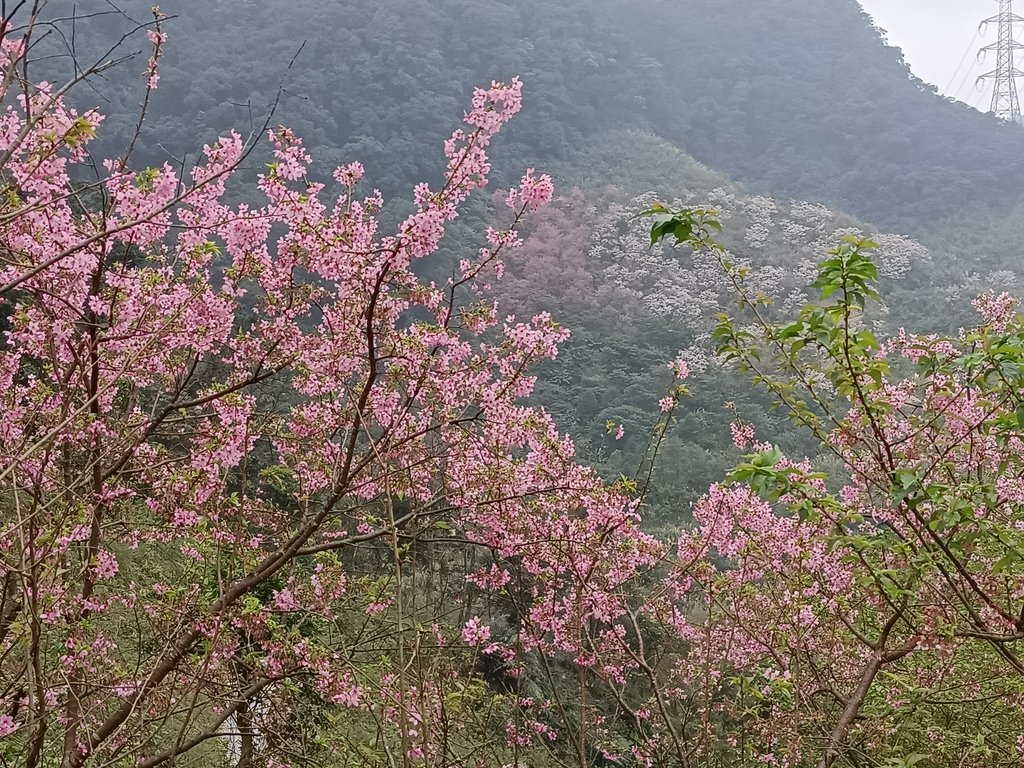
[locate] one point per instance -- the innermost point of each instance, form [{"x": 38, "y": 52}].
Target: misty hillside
[
  {"x": 792, "y": 98},
  {"x": 792, "y": 101}
]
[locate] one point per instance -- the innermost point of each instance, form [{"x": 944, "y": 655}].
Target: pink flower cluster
[
  {"x": 534, "y": 192},
  {"x": 246, "y": 401},
  {"x": 475, "y": 633},
  {"x": 157, "y": 38},
  {"x": 996, "y": 310},
  {"x": 742, "y": 434},
  {"x": 680, "y": 368}
]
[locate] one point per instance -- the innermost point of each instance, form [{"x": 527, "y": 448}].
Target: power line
[
  {"x": 967, "y": 78},
  {"x": 970, "y": 49},
  {"x": 1005, "y": 97}
]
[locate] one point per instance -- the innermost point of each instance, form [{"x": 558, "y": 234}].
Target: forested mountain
[
  {"x": 623, "y": 102},
  {"x": 791, "y": 98},
  {"x": 805, "y": 99},
  {"x": 706, "y": 453}
]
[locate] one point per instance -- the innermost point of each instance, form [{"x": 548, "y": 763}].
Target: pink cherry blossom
[
  {"x": 475, "y": 633},
  {"x": 7, "y": 725}
]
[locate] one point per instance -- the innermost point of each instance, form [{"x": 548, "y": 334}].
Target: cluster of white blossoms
[
  {"x": 896, "y": 255},
  {"x": 793, "y": 230},
  {"x": 970, "y": 285},
  {"x": 698, "y": 355},
  {"x": 670, "y": 288},
  {"x": 815, "y": 215},
  {"x": 759, "y": 213},
  {"x": 1005, "y": 278},
  {"x": 779, "y": 244},
  {"x": 724, "y": 201}
]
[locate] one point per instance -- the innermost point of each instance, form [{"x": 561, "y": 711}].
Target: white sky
[{"x": 935, "y": 35}]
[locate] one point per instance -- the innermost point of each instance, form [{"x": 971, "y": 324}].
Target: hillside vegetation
[
  {"x": 792, "y": 99},
  {"x": 785, "y": 100}
]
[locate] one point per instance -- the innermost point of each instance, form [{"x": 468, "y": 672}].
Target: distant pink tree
[{"x": 553, "y": 267}]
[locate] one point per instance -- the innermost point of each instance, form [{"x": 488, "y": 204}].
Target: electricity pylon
[{"x": 1005, "y": 98}]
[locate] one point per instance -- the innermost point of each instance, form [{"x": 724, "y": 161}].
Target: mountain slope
[
  {"x": 788, "y": 97},
  {"x": 806, "y": 99}
]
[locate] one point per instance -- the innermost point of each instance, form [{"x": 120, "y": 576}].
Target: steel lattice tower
[{"x": 1005, "y": 97}]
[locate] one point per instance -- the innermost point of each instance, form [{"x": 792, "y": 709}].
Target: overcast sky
[{"x": 935, "y": 35}]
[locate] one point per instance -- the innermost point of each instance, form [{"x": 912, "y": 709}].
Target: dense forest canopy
[{"x": 792, "y": 99}]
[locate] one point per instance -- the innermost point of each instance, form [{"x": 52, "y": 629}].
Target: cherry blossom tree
[
  {"x": 254, "y": 470},
  {"x": 868, "y": 610}
]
